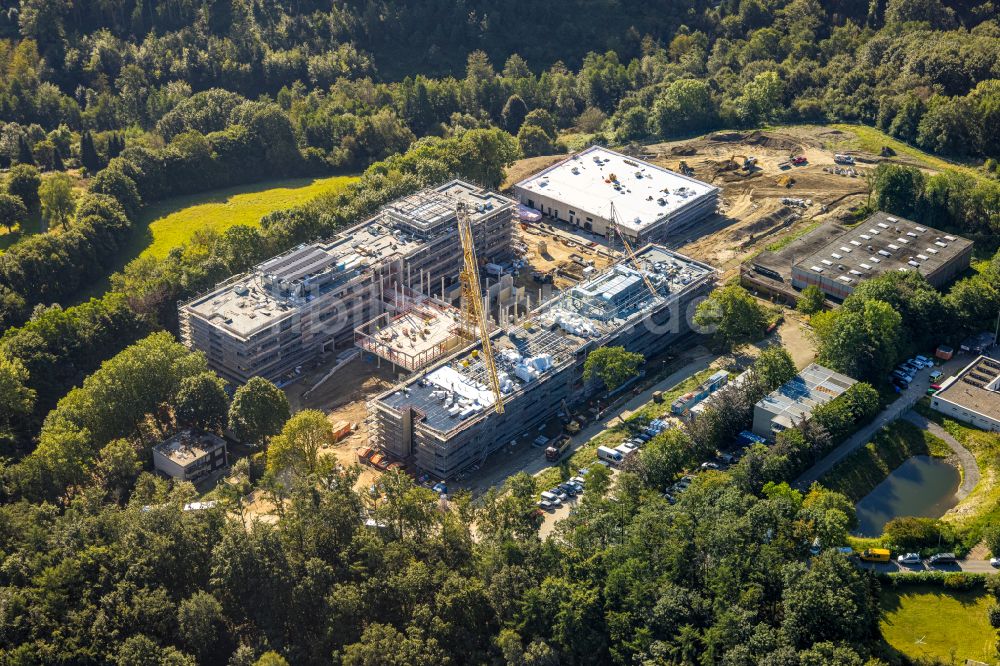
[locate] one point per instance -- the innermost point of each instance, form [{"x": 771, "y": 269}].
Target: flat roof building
[
  {"x": 794, "y": 401},
  {"x": 650, "y": 201},
  {"x": 837, "y": 259},
  {"x": 190, "y": 456},
  {"x": 973, "y": 395},
  {"x": 443, "y": 420},
  {"x": 288, "y": 310}
]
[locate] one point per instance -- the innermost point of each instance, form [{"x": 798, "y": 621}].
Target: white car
[
  {"x": 995, "y": 561},
  {"x": 909, "y": 558},
  {"x": 926, "y": 361},
  {"x": 936, "y": 375}
]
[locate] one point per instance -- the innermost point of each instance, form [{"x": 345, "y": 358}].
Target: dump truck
[{"x": 556, "y": 450}]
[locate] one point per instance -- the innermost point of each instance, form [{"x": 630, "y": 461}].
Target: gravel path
[{"x": 970, "y": 470}]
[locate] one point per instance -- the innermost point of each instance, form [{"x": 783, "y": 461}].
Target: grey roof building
[
  {"x": 837, "y": 258},
  {"x": 795, "y": 400},
  {"x": 973, "y": 395}
]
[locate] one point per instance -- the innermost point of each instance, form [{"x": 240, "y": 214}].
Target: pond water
[{"x": 921, "y": 486}]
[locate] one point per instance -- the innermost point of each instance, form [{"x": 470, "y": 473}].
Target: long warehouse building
[
  {"x": 650, "y": 202},
  {"x": 443, "y": 420},
  {"x": 288, "y": 310}
]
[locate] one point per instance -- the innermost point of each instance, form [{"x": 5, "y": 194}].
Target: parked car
[
  {"x": 928, "y": 362},
  {"x": 941, "y": 558},
  {"x": 936, "y": 375},
  {"x": 995, "y": 561},
  {"x": 903, "y": 374},
  {"x": 709, "y": 465},
  {"x": 901, "y": 384},
  {"x": 909, "y": 558},
  {"x": 545, "y": 505},
  {"x": 569, "y": 489},
  {"x": 561, "y": 494},
  {"x": 578, "y": 480}
]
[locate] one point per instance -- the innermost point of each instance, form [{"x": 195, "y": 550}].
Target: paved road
[
  {"x": 970, "y": 469},
  {"x": 968, "y": 566},
  {"x": 917, "y": 390}
]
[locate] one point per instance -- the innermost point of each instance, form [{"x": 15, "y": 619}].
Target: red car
[
  {"x": 799, "y": 160},
  {"x": 936, "y": 387}
]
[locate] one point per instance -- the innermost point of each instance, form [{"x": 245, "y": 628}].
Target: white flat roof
[{"x": 646, "y": 193}]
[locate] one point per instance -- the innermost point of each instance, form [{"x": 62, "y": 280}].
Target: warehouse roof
[
  {"x": 880, "y": 244},
  {"x": 643, "y": 193},
  {"x": 797, "y": 398}
]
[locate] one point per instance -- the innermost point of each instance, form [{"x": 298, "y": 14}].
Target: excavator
[{"x": 473, "y": 314}]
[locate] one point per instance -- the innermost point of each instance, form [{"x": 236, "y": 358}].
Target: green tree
[
  {"x": 16, "y": 397},
  {"x": 827, "y": 601},
  {"x": 533, "y": 141},
  {"x": 58, "y": 199},
  {"x": 811, "y": 300},
  {"x": 684, "y": 106},
  {"x": 612, "y": 365},
  {"x": 543, "y": 119},
  {"x": 898, "y": 189},
  {"x": 773, "y": 367},
  {"x": 733, "y": 316},
  {"x": 631, "y": 125},
  {"x": 117, "y": 468},
  {"x": 23, "y": 182},
  {"x": 514, "y": 113},
  {"x": 298, "y": 445},
  {"x": 258, "y": 411},
  {"x": 202, "y": 403},
  {"x": 861, "y": 339},
  {"x": 664, "y": 457},
  {"x": 88, "y": 153},
  {"x": 12, "y": 211},
  {"x": 201, "y": 624}
]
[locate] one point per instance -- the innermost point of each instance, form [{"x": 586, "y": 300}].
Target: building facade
[
  {"x": 973, "y": 395},
  {"x": 190, "y": 456},
  {"x": 650, "y": 201},
  {"x": 443, "y": 421},
  {"x": 290, "y": 309}
]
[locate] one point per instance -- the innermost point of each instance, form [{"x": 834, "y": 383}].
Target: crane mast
[
  {"x": 473, "y": 314},
  {"x": 630, "y": 253}
]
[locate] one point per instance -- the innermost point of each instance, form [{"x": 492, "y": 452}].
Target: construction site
[
  {"x": 454, "y": 414},
  {"x": 409, "y": 372}
]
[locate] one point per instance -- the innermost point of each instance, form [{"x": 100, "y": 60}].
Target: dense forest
[{"x": 107, "y": 107}]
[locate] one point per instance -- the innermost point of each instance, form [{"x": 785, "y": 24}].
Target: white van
[{"x": 609, "y": 455}]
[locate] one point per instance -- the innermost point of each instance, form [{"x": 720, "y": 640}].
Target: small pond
[{"x": 922, "y": 486}]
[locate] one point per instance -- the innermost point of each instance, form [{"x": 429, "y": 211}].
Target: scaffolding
[{"x": 416, "y": 337}]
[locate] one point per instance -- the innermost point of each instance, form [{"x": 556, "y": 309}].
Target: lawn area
[
  {"x": 860, "y": 472},
  {"x": 169, "y": 224},
  {"x": 871, "y": 140},
  {"x": 924, "y": 622}
]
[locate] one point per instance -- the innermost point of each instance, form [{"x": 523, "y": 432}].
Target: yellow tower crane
[
  {"x": 630, "y": 253},
  {"x": 473, "y": 314}
]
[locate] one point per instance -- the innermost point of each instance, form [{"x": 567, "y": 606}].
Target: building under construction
[
  {"x": 288, "y": 310},
  {"x": 444, "y": 421}
]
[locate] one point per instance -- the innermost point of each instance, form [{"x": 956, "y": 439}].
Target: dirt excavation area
[{"x": 774, "y": 184}]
